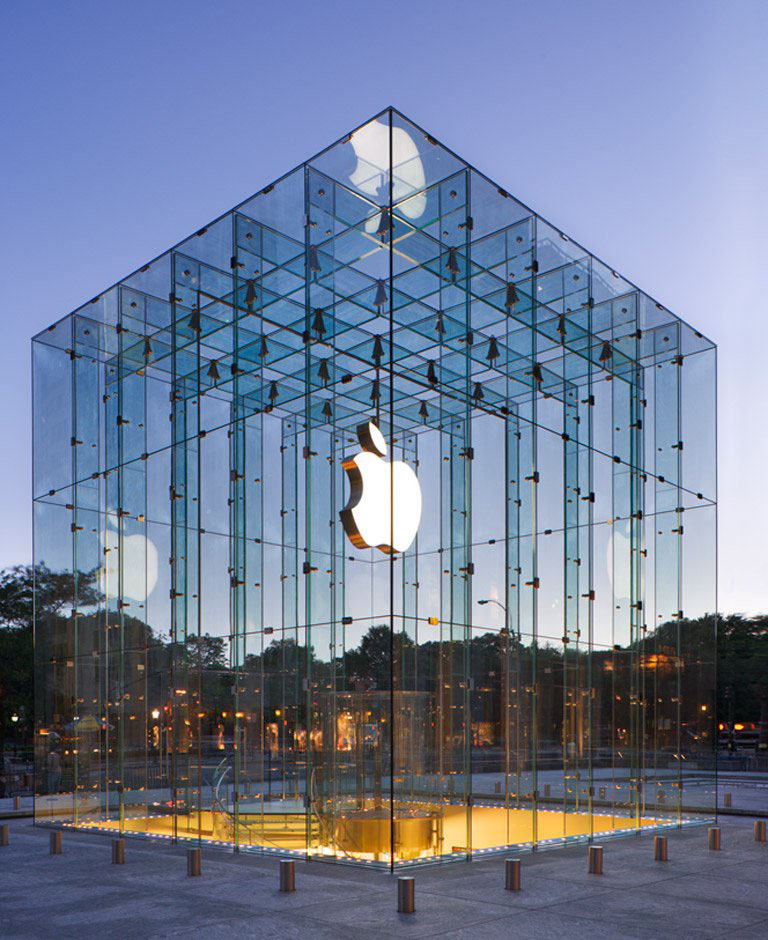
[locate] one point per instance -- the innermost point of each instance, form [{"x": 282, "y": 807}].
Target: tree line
[{"x": 742, "y": 653}]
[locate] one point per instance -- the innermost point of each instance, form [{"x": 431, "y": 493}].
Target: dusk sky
[{"x": 641, "y": 129}]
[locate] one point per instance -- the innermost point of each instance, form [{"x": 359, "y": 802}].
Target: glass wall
[{"x": 255, "y": 628}]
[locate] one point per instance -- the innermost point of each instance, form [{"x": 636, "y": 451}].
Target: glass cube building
[{"x": 375, "y": 522}]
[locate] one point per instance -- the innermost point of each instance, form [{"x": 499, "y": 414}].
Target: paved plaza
[{"x": 80, "y": 894}]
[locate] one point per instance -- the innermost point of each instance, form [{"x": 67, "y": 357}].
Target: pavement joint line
[
  {"x": 577, "y": 917},
  {"x": 757, "y": 923}
]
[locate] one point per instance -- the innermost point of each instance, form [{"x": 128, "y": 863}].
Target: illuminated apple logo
[
  {"x": 139, "y": 563},
  {"x": 370, "y": 176},
  {"x": 384, "y": 507}
]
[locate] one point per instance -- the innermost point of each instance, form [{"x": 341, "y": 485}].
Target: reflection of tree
[
  {"x": 372, "y": 662},
  {"x": 670, "y": 671},
  {"x": 742, "y": 650},
  {"x": 23, "y": 586}
]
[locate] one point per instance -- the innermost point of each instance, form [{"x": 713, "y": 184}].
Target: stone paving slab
[{"x": 697, "y": 894}]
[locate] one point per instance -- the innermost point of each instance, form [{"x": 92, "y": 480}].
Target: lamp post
[
  {"x": 506, "y": 684},
  {"x": 492, "y": 600}
]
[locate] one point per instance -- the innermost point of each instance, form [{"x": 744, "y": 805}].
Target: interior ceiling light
[
  {"x": 318, "y": 323},
  {"x": 378, "y": 351},
  {"x": 381, "y": 294}
]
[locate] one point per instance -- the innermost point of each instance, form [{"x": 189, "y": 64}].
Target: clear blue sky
[{"x": 641, "y": 128}]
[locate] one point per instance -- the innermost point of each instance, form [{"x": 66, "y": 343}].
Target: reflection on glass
[{"x": 371, "y": 174}]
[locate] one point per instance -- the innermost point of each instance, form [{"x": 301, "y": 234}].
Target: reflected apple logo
[
  {"x": 139, "y": 563},
  {"x": 370, "y": 176},
  {"x": 384, "y": 507}
]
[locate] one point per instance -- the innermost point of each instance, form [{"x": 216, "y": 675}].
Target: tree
[{"x": 25, "y": 589}]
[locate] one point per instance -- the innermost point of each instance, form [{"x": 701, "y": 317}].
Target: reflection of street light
[
  {"x": 14, "y": 718},
  {"x": 155, "y": 713},
  {"x": 492, "y": 600},
  {"x": 506, "y": 680}
]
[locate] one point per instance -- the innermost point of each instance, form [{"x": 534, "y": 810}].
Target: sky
[{"x": 640, "y": 128}]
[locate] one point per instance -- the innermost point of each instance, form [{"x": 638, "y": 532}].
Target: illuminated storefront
[{"x": 382, "y": 517}]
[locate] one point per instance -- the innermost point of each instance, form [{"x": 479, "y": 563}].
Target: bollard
[
  {"x": 287, "y": 875},
  {"x": 5, "y": 834},
  {"x": 118, "y": 851},
  {"x": 595, "y": 859},
  {"x": 660, "y": 848},
  {"x": 727, "y": 800},
  {"x": 547, "y": 789},
  {"x": 497, "y": 786},
  {"x": 601, "y": 791},
  {"x": 759, "y": 830},
  {"x": 714, "y": 838},
  {"x": 512, "y": 874},
  {"x": 194, "y": 862},
  {"x": 17, "y": 802},
  {"x": 406, "y": 895},
  {"x": 55, "y": 843}
]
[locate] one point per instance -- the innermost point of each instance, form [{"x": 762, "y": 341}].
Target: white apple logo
[
  {"x": 371, "y": 519},
  {"x": 371, "y": 146},
  {"x": 139, "y": 563}
]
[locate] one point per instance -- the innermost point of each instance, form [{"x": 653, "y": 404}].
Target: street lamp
[
  {"x": 506, "y": 680},
  {"x": 492, "y": 600}
]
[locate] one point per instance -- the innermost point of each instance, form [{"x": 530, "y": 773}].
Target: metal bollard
[
  {"x": 759, "y": 830},
  {"x": 287, "y": 875},
  {"x": 595, "y": 859},
  {"x": 17, "y": 802},
  {"x": 5, "y": 834},
  {"x": 714, "y": 838},
  {"x": 55, "y": 843},
  {"x": 601, "y": 792},
  {"x": 727, "y": 800},
  {"x": 547, "y": 789},
  {"x": 194, "y": 862},
  {"x": 512, "y": 874},
  {"x": 660, "y": 848},
  {"x": 406, "y": 895},
  {"x": 118, "y": 851},
  {"x": 497, "y": 787}
]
